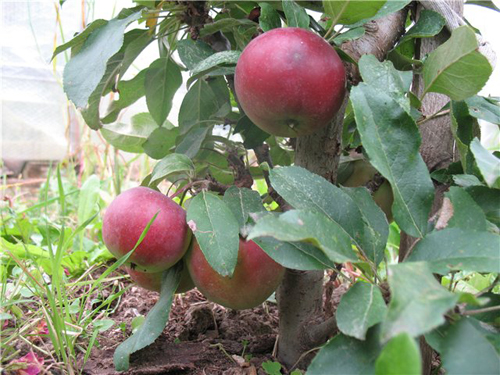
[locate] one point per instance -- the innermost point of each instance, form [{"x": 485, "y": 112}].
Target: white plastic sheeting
[{"x": 34, "y": 111}]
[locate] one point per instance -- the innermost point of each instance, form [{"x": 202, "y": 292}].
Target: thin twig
[
  {"x": 433, "y": 116},
  {"x": 480, "y": 311}
]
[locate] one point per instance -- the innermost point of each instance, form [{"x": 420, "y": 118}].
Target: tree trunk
[
  {"x": 437, "y": 146},
  {"x": 300, "y": 296}
]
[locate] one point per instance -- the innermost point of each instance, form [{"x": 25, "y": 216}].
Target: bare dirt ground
[{"x": 200, "y": 338}]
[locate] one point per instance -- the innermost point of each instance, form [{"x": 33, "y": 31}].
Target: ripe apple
[
  {"x": 255, "y": 277},
  {"x": 362, "y": 173},
  {"x": 152, "y": 280},
  {"x": 290, "y": 82},
  {"x": 168, "y": 237}
]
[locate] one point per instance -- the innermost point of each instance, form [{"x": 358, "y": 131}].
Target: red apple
[
  {"x": 152, "y": 280},
  {"x": 290, "y": 82},
  {"x": 168, "y": 237},
  {"x": 255, "y": 277}
]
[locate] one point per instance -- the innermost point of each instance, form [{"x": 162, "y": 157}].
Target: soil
[{"x": 200, "y": 338}]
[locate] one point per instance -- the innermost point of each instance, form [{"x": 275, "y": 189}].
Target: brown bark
[
  {"x": 436, "y": 148},
  {"x": 302, "y": 326}
]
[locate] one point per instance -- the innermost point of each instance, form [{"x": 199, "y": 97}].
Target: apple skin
[
  {"x": 290, "y": 82},
  {"x": 255, "y": 277},
  {"x": 168, "y": 237},
  {"x": 152, "y": 280},
  {"x": 362, "y": 173}
]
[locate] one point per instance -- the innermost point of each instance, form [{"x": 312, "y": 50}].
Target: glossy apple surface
[
  {"x": 168, "y": 237},
  {"x": 255, "y": 277},
  {"x": 152, "y": 280},
  {"x": 290, "y": 82}
]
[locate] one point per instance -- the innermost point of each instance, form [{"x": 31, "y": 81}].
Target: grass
[{"x": 57, "y": 286}]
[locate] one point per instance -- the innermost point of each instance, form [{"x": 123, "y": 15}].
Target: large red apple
[
  {"x": 290, "y": 82},
  {"x": 167, "y": 239},
  {"x": 152, "y": 280},
  {"x": 255, "y": 277}
]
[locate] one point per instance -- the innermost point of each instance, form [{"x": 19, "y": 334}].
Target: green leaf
[
  {"x": 160, "y": 142},
  {"x": 269, "y": 18},
  {"x": 216, "y": 230},
  {"x": 84, "y": 71},
  {"x": 456, "y": 68},
  {"x": 352, "y": 34},
  {"x": 221, "y": 91},
  {"x": 489, "y": 164},
  {"x": 130, "y": 91},
  {"x": 466, "y": 213},
  {"x": 163, "y": 78},
  {"x": 24, "y": 251},
  {"x": 135, "y": 42},
  {"x": 198, "y": 106},
  {"x": 466, "y": 350},
  {"x": 310, "y": 226},
  {"x": 348, "y": 12},
  {"x": 418, "y": 302},
  {"x": 359, "y": 309},
  {"x": 484, "y": 3},
  {"x": 484, "y": 109},
  {"x": 376, "y": 230},
  {"x": 464, "y": 249},
  {"x": 155, "y": 321},
  {"x": 170, "y": 164},
  {"x": 304, "y": 190},
  {"x": 77, "y": 42},
  {"x": 401, "y": 355},
  {"x": 271, "y": 368},
  {"x": 491, "y": 317},
  {"x": 252, "y": 135},
  {"x": 137, "y": 323},
  {"x": 192, "y": 141},
  {"x": 242, "y": 202},
  {"x": 103, "y": 324},
  {"x": 130, "y": 137},
  {"x": 464, "y": 127},
  {"x": 345, "y": 355},
  {"x": 466, "y": 180},
  {"x": 294, "y": 255},
  {"x": 389, "y": 7},
  {"x": 296, "y": 16},
  {"x": 429, "y": 23},
  {"x": 193, "y": 52},
  {"x": 488, "y": 200},
  {"x": 88, "y": 198},
  {"x": 389, "y": 133},
  {"x": 227, "y": 24},
  {"x": 383, "y": 76},
  {"x": 91, "y": 114},
  {"x": 403, "y": 56},
  {"x": 212, "y": 62}
]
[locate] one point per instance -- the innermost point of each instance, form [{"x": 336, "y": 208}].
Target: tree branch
[
  {"x": 480, "y": 311},
  {"x": 301, "y": 324},
  {"x": 454, "y": 20}
]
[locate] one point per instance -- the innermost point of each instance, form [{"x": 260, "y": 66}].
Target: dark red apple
[
  {"x": 152, "y": 280},
  {"x": 168, "y": 237},
  {"x": 290, "y": 82},
  {"x": 255, "y": 277}
]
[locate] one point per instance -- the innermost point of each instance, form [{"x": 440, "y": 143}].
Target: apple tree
[{"x": 402, "y": 152}]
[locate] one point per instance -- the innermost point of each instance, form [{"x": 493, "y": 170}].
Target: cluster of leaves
[{"x": 329, "y": 224}]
